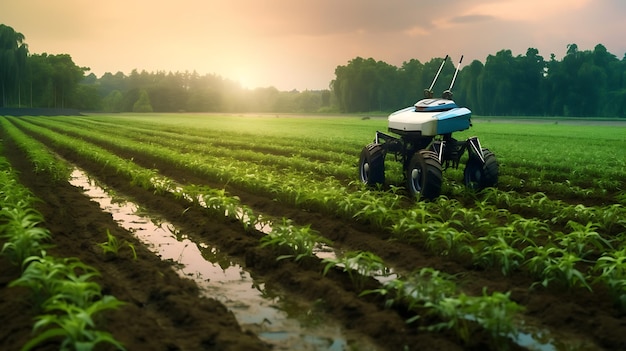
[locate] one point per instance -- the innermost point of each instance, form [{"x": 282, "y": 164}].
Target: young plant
[
  {"x": 24, "y": 236},
  {"x": 360, "y": 266},
  {"x": 555, "y": 265},
  {"x": 445, "y": 240},
  {"x": 114, "y": 245},
  {"x": 428, "y": 285},
  {"x": 494, "y": 313},
  {"x": 300, "y": 240},
  {"x": 583, "y": 239},
  {"x": 497, "y": 252},
  {"x": 75, "y": 325},
  {"x": 67, "y": 279},
  {"x": 413, "y": 223},
  {"x": 612, "y": 266}
]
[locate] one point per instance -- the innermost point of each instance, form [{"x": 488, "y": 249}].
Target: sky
[{"x": 297, "y": 44}]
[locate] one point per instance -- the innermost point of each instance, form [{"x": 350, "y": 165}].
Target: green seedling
[
  {"x": 583, "y": 239},
  {"x": 75, "y": 325},
  {"x": 497, "y": 252},
  {"x": 613, "y": 273},
  {"x": 494, "y": 313},
  {"x": 445, "y": 240},
  {"x": 555, "y": 265},
  {"x": 24, "y": 236},
  {"x": 64, "y": 279},
  {"x": 114, "y": 245},
  {"x": 301, "y": 240},
  {"x": 360, "y": 266}
]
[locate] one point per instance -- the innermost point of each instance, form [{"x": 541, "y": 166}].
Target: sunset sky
[{"x": 297, "y": 44}]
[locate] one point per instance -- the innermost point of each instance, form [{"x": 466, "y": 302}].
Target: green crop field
[{"x": 554, "y": 228}]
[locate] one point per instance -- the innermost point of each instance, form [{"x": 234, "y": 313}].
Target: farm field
[{"x": 540, "y": 258}]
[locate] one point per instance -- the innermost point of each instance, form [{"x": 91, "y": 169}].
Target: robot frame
[{"x": 425, "y": 146}]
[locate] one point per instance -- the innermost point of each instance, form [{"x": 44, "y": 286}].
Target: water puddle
[{"x": 286, "y": 324}]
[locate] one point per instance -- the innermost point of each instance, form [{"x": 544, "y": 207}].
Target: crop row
[
  {"x": 594, "y": 180},
  {"x": 61, "y": 288},
  {"x": 599, "y": 178},
  {"x": 554, "y": 158},
  {"x": 464, "y": 314},
  {"x": 445, "y": 227},
  {"x": 313, "y": 149},
  {"x": 37, "y": 153},
  {"x": 135, "y": 141},
  {"x": 537, "y": 204},
  {"x": 171, "y": 153}
]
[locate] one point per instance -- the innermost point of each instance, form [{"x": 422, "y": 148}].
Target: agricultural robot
[{"x": 425, "y": 146}]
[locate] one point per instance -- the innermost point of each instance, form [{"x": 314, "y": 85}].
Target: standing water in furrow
[{"x": 284, "y": 323}]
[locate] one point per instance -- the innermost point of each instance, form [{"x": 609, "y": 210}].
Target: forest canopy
[{"x": 585, "y": 83}]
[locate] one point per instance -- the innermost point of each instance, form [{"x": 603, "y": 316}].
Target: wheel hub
[{"x": 415, "y": 174}]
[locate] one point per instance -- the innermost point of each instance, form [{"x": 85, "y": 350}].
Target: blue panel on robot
[{"x": 453, "y": 120}]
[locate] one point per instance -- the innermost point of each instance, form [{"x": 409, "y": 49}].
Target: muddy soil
[
  {"x": 162, "y": 311},
  {"x": 165, "y": 312}
]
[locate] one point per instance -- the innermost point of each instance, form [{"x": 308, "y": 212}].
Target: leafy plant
[
  {"x": 412, "y": 224},
  {"x": 302, "y": 240},
  {"x": 64, "y": 279},
  {"x": 443, "y": 239},
  {"x": 497, "y": 252},
  {"x": 360, "y": 266},
  {"x": 428, "y": 285},
  {"x": 114, "y": 245},
  {"x": 24, "y": 236},
  {"x": 583, "y": 239},
  {"x": 612, "y": 266},
  {"x": 494, "y": 313},
  {"x": 416, "y": 290},
  {"x": 555, "y": 265},
  {"x": 75, "y": 325},
  {"x": 611, "y": 219}
]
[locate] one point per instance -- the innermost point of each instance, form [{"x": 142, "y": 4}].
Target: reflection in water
[{"x": 287, "y": 325}]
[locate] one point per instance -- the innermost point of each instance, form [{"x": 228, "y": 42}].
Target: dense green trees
[
  {"x": 191, "y": 92},
  {"x": 13, "y": 53},
  {"x": 584, "y": 83},
  {"x": 53, "y": 81}
]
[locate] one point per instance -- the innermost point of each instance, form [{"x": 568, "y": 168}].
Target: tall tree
[
  {"x": 467, "y": 92},
  {"x": 496, "y": 83},
  {"x": 54, "y": 79},
  {"x": 13, "y": 53},
  {"x": 143, "y": 103},
  {"x": 365, "y": 85}
]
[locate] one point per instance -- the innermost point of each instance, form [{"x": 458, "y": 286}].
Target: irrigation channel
[
  {"x": 285, "y": 323},
  {"x": 282, "y": 322}
]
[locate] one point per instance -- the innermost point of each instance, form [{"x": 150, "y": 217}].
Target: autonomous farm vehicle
[{"x": 425, "y": 146}]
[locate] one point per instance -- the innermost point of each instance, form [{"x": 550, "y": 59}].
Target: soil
[{"x": 166, "y": 312}]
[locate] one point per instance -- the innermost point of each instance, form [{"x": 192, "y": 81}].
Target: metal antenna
[
  {"x": 456, "y": 72},
  {"x": 437, "y": 75}
]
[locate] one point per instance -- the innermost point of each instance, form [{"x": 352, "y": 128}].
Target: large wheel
[
  {"x": 479, "y": 175},
  {"x": 424, "y": 175},
  {"x": 372, "y": 165}
]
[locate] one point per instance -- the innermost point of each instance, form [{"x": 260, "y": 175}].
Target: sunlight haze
[{"x": 296, "y": 44}]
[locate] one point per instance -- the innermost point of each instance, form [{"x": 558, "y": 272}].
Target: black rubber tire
[
  {"x": 479, "y": 175},
  {"x": 424, "y": 175},
  {"x": 372, "y": 165}
]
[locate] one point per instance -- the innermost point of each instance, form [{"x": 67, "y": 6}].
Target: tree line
[
  {"x": 191, "y": 92},
  {"x": 583, "y": 83}
]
